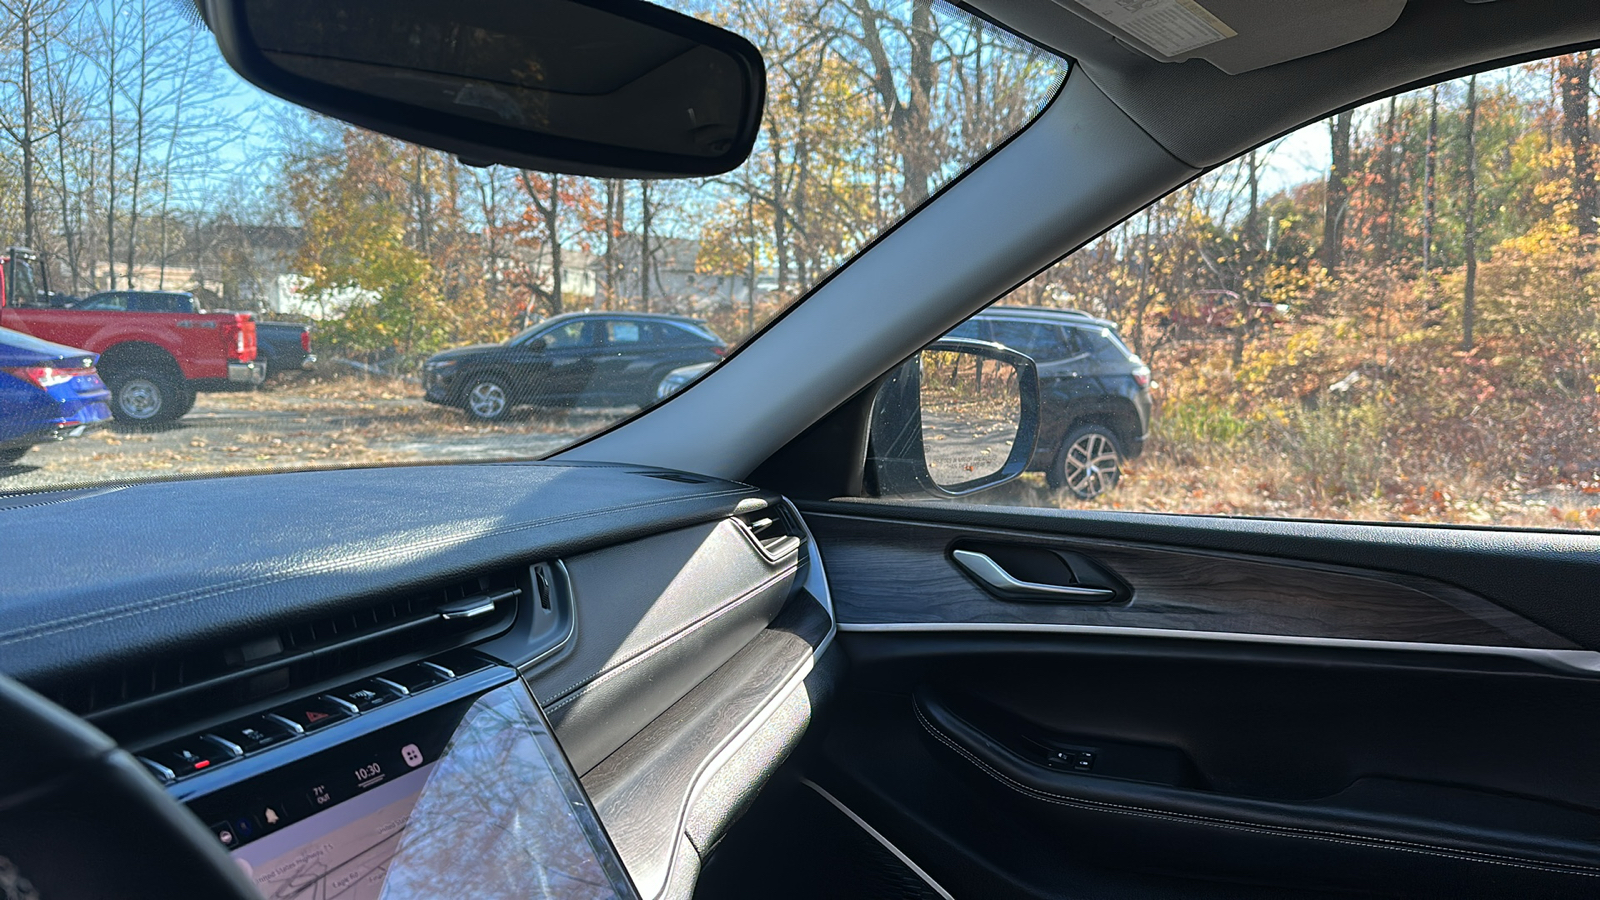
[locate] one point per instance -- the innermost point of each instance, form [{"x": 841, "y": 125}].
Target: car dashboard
[{"x": 295, "y": 674}]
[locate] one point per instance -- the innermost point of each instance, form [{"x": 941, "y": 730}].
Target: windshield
[{"x": 160, "y": 170}]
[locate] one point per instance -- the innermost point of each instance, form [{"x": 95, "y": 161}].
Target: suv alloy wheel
[
  {"x": 488, "y": 399},
  {"x": 1090, "y": 462}
]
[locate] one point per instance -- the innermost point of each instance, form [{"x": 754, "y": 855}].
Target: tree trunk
[
  {"x": 552, "y": 223},
  {"x": 614, "y": 198},
  {"x": 1575, "y": 71},
  {"x": 113, "y": 86},
  {"x": 1429, "y": 176},
  {"x": 1469, "y": 237},
  {"x": 910, "y": 118},
  {"x": 1250, "y": 256},
  {"x": 1252, "y": 219},
  {"x": 549, "y": 211},
  {"x": 779, "y": 202},
  {"x": 30, "y": 227},
  {"x": 750, "y": 276},
  {"x": 140, "y": 123},
  {"x": 644, "y": 246},
  {"x": 1142, "y": 301},
  {"x": 1391, "y": 183},
  {"x": 172, "y": 149},
  {"x": 1338, "y": 193},
  {"x": 421, "y": 201}
]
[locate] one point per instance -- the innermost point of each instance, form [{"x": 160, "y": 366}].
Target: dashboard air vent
[
  {"x": 303, "y": 653},
  {"x": 772, "y": 531}
]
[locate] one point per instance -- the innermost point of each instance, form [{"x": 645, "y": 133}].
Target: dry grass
[{"x": 1231, "y": 483}]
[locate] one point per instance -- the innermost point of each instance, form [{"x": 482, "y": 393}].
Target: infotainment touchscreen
[{"x": 479, "y": 804}]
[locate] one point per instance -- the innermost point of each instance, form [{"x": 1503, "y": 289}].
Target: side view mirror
[
  {"x": 536, "y": 345},
  {"x": 615, "y": 88},
  {"x": 959, "y": 417}
]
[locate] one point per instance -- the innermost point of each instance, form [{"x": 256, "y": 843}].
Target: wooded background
[
  {"x": 131, "y": 156},
  {"x": 1435, "y": 353}
]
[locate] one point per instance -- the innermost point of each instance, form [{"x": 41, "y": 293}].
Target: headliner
[{"x": 1205, "y": 117}]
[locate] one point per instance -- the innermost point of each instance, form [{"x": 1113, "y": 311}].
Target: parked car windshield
[{"x": 152, "y": 167}]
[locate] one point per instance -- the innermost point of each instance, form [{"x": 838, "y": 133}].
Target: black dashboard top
[{"x": 93, "y": 578}]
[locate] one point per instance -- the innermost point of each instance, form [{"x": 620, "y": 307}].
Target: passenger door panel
[{"x": 1281, "y": 709}]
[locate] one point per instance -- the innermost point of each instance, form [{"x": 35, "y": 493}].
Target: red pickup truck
[{"x": 154, "y": 362}]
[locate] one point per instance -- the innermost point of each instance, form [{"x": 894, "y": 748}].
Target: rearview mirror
[
  {"x": 616, "y": 88},
  {"x": 959, "y": 417}
]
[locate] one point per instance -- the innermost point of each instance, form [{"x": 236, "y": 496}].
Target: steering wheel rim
[{"x": 81, "y": 818}]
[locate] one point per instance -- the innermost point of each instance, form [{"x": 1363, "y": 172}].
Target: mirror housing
[
  {"x": 610, "y": 88},
  {"x": 897, "y": 454}
]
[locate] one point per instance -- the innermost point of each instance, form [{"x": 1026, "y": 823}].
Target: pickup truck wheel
[
  {"x": 487, "y": 399},
  {"x": 146, "y": 396}
]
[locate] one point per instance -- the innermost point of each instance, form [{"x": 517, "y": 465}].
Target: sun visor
[{"x": 1237, "y": 35}]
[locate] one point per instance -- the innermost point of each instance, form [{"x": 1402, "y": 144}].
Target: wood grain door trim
[{"x": 895, "y": 571}]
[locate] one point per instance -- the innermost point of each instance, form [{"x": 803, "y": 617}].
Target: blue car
[{"x": 47, "y": 392}]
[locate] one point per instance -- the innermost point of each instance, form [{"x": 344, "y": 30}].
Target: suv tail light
[
  {"x": 1141, "y": 376},
  {"x": 720, "y": 350},
  {"x": 305, "y": 340}
]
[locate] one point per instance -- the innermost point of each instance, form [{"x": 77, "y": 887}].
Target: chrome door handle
[{"x": 1002, "y": 583}]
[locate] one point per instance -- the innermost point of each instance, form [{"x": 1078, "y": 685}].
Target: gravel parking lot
[{"x": 301, "y": 423}]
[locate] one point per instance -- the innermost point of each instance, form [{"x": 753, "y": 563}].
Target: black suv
[
  {"x": 577, "y": 359},
  {"x": 1094, "y": 393}
]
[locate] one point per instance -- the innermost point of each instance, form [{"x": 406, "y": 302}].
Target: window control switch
[{"x": 1075, "y": 760}]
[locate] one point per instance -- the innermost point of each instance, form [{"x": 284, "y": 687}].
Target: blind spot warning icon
[{"x": 412, "y": 755}]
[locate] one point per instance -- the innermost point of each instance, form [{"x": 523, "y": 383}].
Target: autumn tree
[
  {"x": 559, "y": 212},
  {"x": 1338, "y": 191},
  {"x": 351, "y": 200},
  {"x": 1575, "y": 74}
]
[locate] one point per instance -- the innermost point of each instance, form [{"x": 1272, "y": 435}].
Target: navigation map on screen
[{"x": 498, "y": 814}]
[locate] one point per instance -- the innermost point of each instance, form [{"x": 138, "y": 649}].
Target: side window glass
[
  {"x": 1388, "y": 315},
  {"x": 1104, "y": 344},
  {"x": 568, "y": 335},
  {"x": 108, "y": 302},
  {"x": 695, "y": 333},
  {"x": 1077, "y": 341},
  {"x": 623, "y": 331},
  {"x": 1040, "y": 341}
]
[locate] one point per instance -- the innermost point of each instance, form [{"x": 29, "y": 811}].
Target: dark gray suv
[
  {"x": 1094, "y": 393},
  {"x": 578, "y": 359}
]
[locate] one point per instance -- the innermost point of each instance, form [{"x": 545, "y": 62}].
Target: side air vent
[
  {"x": 304, "y": 653},
  {"x": 772, "y": 531}
]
